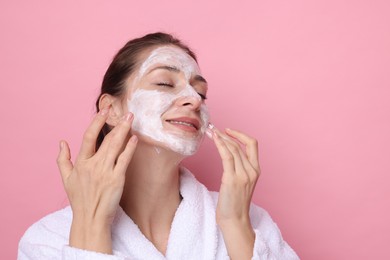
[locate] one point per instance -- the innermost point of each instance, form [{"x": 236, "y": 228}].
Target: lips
[{"x": 185, "y": 121}]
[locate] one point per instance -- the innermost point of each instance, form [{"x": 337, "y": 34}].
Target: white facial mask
[
  {"x": 170, "y": 56},
  {"x": 148, "y": 106}
]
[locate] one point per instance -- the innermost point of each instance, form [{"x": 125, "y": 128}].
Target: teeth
[{"x": 181, "y": 123}]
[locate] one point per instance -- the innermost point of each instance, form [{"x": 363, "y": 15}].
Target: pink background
[{"x": 309, "y": 79}]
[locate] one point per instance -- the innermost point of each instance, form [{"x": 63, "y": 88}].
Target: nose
[{"x": 191, "y": 102}]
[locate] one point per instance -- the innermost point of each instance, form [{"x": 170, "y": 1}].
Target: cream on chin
[{"x": 148, "y": 106}]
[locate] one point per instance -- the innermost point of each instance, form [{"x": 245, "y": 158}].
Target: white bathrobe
[{"x": 194, "y": 233}]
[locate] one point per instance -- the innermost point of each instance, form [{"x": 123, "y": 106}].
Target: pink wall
[{"x": 309, "y": 79}]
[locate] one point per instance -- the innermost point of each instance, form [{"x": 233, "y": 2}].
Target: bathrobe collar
[{"x": 193, "y": 233}]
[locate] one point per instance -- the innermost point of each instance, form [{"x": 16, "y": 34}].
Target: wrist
[
  {"x": 237, "y": 228},
  {"x": 239, "y": 238},
  {"x": 91, "y": 235},
  {"x": 243, "y": 222}
]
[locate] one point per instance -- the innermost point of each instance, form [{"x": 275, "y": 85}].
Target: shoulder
[{"x": 51, "y": 230}]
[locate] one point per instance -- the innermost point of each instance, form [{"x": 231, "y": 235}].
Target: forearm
[
  {"x": 91, "y": 235},
  {"x": 239, "y": 238}
]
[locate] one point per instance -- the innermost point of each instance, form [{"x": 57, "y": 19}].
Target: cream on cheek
[{"x": 148, "y": 106}]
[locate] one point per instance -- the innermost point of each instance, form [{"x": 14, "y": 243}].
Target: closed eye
[
  {"x": 165, "y": 84},
  {"x": 172, "y": 86},
  {"x": 202, "y": 96}
]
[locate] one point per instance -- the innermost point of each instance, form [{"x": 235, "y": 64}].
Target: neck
[{"x": 151, "y": 193}]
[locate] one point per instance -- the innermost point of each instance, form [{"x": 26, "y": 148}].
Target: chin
[{"x": 181, "y": 145}]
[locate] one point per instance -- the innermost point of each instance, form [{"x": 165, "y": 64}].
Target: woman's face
[{"x": 166, "y": 95}]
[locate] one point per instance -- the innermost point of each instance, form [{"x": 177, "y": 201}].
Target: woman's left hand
[{"x": 241, "y": 171}]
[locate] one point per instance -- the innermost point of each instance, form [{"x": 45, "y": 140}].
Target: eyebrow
[{"x": 175, "y": 69}]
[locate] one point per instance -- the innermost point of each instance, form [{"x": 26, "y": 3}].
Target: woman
[{"x": 129, "y": 197}]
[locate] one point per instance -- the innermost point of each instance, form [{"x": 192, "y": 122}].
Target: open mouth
[{"x": 185, "y": 123}]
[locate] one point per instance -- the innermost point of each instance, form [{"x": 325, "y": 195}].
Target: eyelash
[
  {"x": 171, "y": 86},
  {"x": 165, "y": 84}
]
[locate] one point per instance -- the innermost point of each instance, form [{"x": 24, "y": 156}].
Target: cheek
[
  {"x": 145, "y": 104},
  {"x": 204, "y": 116}
]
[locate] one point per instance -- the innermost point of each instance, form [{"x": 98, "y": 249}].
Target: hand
[
  {"x": 94, "y": 184},
  {"x": 241, "y": 171},
  {"x": 240, "y": 175}
]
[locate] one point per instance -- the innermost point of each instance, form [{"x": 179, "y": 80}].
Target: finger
[
  {"x": 236, "y": 151},
  {"x": 63, "y": 160},
  {"x": 250, "y": 171},
  {"x": 243, "y": 166},
  {"x": 113, "y": 144},
  {"x": 224, "y": 153},
  {"x": 125, "y": 157},
  {"x": 88, "y": 145},
  {"x": 251, "y": 146}
]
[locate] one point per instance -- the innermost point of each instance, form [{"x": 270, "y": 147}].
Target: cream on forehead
[{"x": 171, "y": 56}]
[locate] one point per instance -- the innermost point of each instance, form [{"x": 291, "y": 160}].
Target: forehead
[{"x": 169, "y": 55}]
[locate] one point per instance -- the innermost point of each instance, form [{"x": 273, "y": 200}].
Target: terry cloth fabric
[{"x": 194, "y": 233}]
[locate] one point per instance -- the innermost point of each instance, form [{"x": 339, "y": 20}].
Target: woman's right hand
[{"x": 94, "y": 184}]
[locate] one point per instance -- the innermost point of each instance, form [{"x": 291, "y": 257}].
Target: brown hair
[{"x": 125, "y": 62}]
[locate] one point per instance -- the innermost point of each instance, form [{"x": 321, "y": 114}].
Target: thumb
[{"x": 63, "y": 160}]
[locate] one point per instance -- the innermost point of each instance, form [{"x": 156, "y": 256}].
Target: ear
[{"x": 115, "y": 112}]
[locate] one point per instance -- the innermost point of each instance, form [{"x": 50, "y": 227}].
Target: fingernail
[
  {"x": 210, "y": 126},
  {"x": 134, "y": 138},
  {"x": 104, "y": 111},
  {"x": 61, "y": 145},
  {"x": 209, "y": 133},
  {"x": 129, "y": 116}
]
